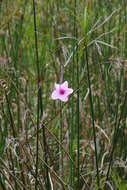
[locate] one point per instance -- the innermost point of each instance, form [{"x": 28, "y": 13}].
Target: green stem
[
  {"x": 92, "y": 115},
  {"x": 78, "y": 126},
  {"x": 61, "y": 140},
  {"x": 11, "y": 117},
  {"x": 39, "y": 106},
  {"x": 117, "y": 123},
  {"x": 39, "y": 111}
]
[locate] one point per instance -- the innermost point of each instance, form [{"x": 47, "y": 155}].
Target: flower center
[{"x": 62, "y": 91}]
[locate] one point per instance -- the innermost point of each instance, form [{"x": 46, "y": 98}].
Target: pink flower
[{"x": 61, "y": 92}]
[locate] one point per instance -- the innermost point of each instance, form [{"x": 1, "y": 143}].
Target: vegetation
[{"x": 48, "y": 144}]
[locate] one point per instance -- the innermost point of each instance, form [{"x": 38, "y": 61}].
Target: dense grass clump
[{"x": 48, "y": 144}]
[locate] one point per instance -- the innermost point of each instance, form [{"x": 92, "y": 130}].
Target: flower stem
[{"x": 60, "y": 139}]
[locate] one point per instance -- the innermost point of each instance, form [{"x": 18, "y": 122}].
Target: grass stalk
[
  {"x": 72, "y": 129},
  {"x": 77, "y": 106},
  {"x": 61, "y": 128},
  {"x": 117, "y": 123},
  {"x": 78, "y": 125},
  {"x": 11, "y": 117},
  {"x": 92, "y": 116},
  {"x": 39, "y": 109},
  {"x": 38, "y": 104},
  {"x": 116, "y": 136}
]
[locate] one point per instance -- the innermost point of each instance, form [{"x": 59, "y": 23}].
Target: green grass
[{"x": 46, "y": 144}]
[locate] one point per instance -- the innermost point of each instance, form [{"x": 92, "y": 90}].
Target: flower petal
[
  {"x": 64, "y": 85},
  {"x": 61, "y": 92},
  {"x": 57, "y": 86},
  {"x": 63, "y": 98},
  {"x": 54, "y": 95},
  {"x": 69, "y": 91}
]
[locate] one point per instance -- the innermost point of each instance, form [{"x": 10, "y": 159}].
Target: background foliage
[{"x": 46, "y": 144}]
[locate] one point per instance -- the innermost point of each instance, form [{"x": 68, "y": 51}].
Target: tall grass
[{"x": 47, "y": 144}]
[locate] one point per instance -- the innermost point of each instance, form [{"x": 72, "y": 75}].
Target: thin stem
[
  {"x": 38, "y": 105},
  {"x": 11, "y": 117},
  {"x": 78, "y": 126},
  {"x": 39, "y": 108},
  {"x": 77, "y": 107},
  {"x": 117, "y": 125},
  {"x": 72, "y": 129},
  {"x": 61, "y": 130},
  {"x": 60, "y": 139},
  {"x": 92, "y": 115},
  {"x": 116, "y": 136}
]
